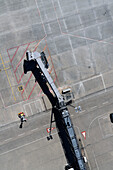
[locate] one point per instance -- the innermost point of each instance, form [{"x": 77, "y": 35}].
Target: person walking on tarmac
[{"x": 21, "y": 115}]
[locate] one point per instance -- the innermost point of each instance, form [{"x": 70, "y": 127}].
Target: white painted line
[
  {"x": 106, "y": 117},
  {"x": 8, "y": 139},
  {"x": 83, "y": 81},
  {"x": 82, "y": 111},
  {"x": 2, "y": 100},
  {"x": 46, "y": 125},
  {"x": 103, "y": 82},
  {"x": 92, "y": 108},
  {"x": 93, "y": 121},
  {"x": 31, "y": 108},
  {"x": 100, "y": 127},
  {"x": 95, "y": 160},
  {"x": 21, "y": 134},
  {"x": 40, "y": 17},
  {"x": 105, "y": 102},
  {"x": 34, "y": 129},
  {"x": 107, "y": 136},
  {"x": 25, "y": 145}
]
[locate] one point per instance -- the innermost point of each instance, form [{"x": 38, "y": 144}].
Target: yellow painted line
[
  {"x": 7, "y": 77},
  {"x": 6, "y": 68},
  {"x": 6, "y": 62}
]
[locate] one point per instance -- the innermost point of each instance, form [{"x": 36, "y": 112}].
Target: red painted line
[
  {"x": 51, "y": 70},
  {"x": 21, "y": 45},
  {"x": 54, "y": 79},
  {"x": 44, "y": 47},
  {"x": 23, "y": 98},
  {"x": 12, "y": 66},
  {"x": 32, "y": 91},
  {"x": 21, "y": 58},
  {"x": 86, "y": 38},
  {"x": 21, "y": 77},
  {"x": 39, "y": 92},
  {"x": 41, "y": 89},
  {"x": 48, "y": 58},
  {"x": 35, "y": 85},
  {"x": 9, "y": 55},
  {"x": 27, "y": 83},
  {"x": 77, "y": 36},
  {"x": 14, "y": 54},
  {"x": 13, "y": 48},
  {"x": 37, "y": 45}
]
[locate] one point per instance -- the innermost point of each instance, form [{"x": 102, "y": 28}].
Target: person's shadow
[{"x": 21, "y": 125}]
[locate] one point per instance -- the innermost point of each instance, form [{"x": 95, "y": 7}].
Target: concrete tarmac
[
  {"x": 77, "y": 37},
  {"x": 28, "y": 148}
]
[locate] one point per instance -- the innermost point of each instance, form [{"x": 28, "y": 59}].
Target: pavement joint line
[
  {"x": 77, "y": 36},
  {"x": 40, "y": 17}
]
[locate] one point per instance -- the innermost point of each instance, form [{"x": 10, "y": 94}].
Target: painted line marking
[
  {"x": 19, "y": 147},
  {"x": 5, "y": 62},
  {"x": 93, "y": 107},
  {"x": 21, "y": 134},
  {"x": 2, "y": 100},
  {"x": 100, "y": 127},
  {"x": 8, "y": 139},
  {"x": 34, "y": 129},
  {"x": 8, "y": 77},
  {"x": 95, "y": 159},
  {"x": 6, "y": 68},
  {"x": 105, "y": 102},
  {"x": 82, "y": 111},
  {"x": 93, "y": 121},
  {"x": 103, "y": 82},
  {"x": 105, "y": 117},
  {"x": 45, "y": 125}
]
